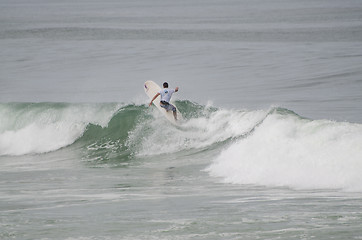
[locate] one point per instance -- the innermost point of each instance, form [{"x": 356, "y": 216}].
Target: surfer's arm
[
  {"x": 176, "y": 89},
  {"x": 158, "y": 94}
]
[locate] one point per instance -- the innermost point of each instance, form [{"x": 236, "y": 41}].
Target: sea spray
[
  {"x": 287, "y": 150},
  {"x": 202, "y": 128}
]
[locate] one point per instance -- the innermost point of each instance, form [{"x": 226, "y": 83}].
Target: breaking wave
[
  {"x": 28, "y": 128},
  {"x": 287, "y": 150},
  {"x": 273, "y": 147},
  {"x": 33, "y": 128}
]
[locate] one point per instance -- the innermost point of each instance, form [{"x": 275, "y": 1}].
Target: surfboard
[{"x": 151, "y": 89}]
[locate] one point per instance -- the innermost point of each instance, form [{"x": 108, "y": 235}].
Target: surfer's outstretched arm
[{"x": 158, "y": 94}]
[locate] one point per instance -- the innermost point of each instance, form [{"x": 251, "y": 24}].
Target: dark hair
[{"x": 165, "y": 85}]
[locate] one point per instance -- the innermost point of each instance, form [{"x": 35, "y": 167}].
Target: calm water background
[
  {"x": 92, "y": 166},
  {"x": 303, "y": 55}
]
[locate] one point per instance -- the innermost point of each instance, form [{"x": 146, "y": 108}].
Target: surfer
[{"x": 166, "y": 95}]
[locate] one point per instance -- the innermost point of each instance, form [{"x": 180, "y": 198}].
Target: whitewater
[
  {"x": 270, "y": 145},
  {"x": 273, "y": 147}
]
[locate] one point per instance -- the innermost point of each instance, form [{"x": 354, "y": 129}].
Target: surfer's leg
[{"x": 173, "y": 108}]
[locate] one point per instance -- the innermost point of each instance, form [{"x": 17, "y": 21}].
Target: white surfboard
[{"x": 151, "y": 89}]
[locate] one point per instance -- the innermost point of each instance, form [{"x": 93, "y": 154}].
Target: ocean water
[{"x": 270, "y": 146}]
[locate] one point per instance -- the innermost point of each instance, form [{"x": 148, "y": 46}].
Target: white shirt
[{"x": 166, "y": 94}]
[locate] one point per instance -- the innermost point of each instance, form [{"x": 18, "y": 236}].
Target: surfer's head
[{"x": 165, "y": 85}]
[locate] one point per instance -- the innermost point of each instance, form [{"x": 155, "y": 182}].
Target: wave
[
  {"x": 287, "y": 150},
  {"x": 273, "y": 147},
  {"x": 28, "y": 128},
  {"x": 33, "y": 128}
]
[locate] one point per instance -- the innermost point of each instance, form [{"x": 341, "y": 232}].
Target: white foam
[
  {"x": 163, "y": 137},
  {"x": 40, "y": 129},
  {"x": 35, "y": 138},
  {"x": 288, "y": 151}
]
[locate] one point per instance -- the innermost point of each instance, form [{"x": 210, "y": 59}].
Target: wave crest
[
  {"x": 287, "y": 150},
  {"x": 28, "y": 128}
]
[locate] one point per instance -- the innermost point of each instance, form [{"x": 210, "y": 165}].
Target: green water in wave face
[
  {"x": 108, "y": 144},
  {"x": 133, "y": 129}
]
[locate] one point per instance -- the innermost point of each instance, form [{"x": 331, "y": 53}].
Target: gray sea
[{"x": 270, "y": 145}]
